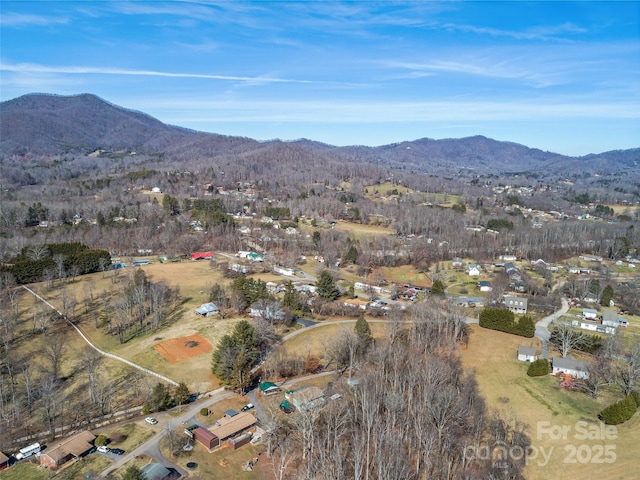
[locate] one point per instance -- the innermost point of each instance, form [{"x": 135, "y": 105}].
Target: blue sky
[{"x": 563, "y": 77}]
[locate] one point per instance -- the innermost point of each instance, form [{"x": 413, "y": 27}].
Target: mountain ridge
[{"x": 50, "y": 124}]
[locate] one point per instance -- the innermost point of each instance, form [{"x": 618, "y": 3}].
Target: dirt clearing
[{"x": 178, "y": 349}]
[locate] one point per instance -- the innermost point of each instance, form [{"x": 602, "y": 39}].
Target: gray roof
[
  {"x": 527, "y": 351},
  {"x": 155, "y": 471},
  {"x": 569, "y": 363},
  {"x": 206, "y": 308}
]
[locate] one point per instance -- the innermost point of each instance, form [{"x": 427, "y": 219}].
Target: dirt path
[{"x": 101, "y": 352}]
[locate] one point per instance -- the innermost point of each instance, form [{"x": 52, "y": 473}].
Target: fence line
[{"x": 101, "y": 352}]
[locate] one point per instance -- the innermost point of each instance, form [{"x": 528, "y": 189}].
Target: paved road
[
  {"x": 165, "y": 420},
  {"x": 542, "y": 327}
]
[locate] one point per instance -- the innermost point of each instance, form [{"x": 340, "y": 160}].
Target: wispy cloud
[
  {"x": 492, "y": 69},
  {"x": 83, "y": 70},
  {"x": 556, "y": 33},
  {"x": 11, "y": 19}
]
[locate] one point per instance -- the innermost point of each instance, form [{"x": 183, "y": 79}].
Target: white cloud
[
  {"x": 11, "y": 19},
  {"x": 81, "y": 70}
]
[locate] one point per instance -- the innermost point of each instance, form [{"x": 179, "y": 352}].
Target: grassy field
[
  {"x": 503, "y": 382},
  {"x": 315, "y": 341},
  {"x": 25, "y": 471}
]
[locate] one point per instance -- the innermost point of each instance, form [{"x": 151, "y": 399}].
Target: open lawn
[
  {"x": 222, "y": 464},
  {"x": 406, "y": 274},
  {"x": 359, "y": 230},
  {"x": 540, "y": 403},
  {"x": 128, "y": 436},
  {"x": 314, "y": 341}
]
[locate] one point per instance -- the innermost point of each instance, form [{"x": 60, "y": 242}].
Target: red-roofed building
[{"x": 202, "y": 256}]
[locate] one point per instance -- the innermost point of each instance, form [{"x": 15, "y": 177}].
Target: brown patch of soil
[{"x": 178, "y": 349}]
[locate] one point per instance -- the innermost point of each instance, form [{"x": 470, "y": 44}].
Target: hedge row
[
  {"x": 620, "y": 411},
  {"x": 504, "y": 320}
]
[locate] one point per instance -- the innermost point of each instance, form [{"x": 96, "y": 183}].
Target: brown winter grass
[
  {"x": 504, "y": 384},
  {"x": 406, "y": 274},
  {"x": 315, "y": 341}
]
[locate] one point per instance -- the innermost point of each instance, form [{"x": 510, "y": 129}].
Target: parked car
[
  {"x": 247, "y": 407},
  {"x": 151, "y": 420},
  {"x": 104, "y": 449},
  {"x": 117, "y": 451}
]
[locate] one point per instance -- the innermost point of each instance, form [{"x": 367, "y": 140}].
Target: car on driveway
[
  {"x": 151, "y": 420},
  {"x": 117, "y": 451},
  {"x": 104, "y": 449},
  {"x": 247, "y": 407}
]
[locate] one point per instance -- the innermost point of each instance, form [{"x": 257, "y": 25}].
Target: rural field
[{"x": 506, "y": 387}]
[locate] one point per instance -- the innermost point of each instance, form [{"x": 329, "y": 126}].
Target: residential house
[
  {"x": 227, "y": 428},
  {"x": 236, "y": 267},
  {"x": 306, "y": 398},
  {"x": 569, "y": 366},
  {"x": 456, "y": 262},
  {"x": 589, "y": 314},
  {"x": 76, "y": 446},
  {"x": 539, "y": 263},
  {"x": 609, "y": 318},
  {"x": 207, "y": 309},
  {"x": 517, "y": 305},
  {"x": 473, "y": 270},
  {"x": 507, "y": 258},
  {"x": 527, "y": 354},
  {"x": 286, "y": 271},
  {"x": 484, "y": 286},
  {"x": 511, "y": 269},
  {"x": 202, "y": 256}
]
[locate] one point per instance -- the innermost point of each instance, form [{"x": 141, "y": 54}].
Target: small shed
[
  {"x": 4, "y": 461},
  {"x": 230, "y": 413},
  {"x": 269, "y": 388},
  {"x": 527, "y": 354},
  {"x": 207, "y": 309}
]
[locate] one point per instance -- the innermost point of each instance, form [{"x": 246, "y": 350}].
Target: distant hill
[{"x": 52, "y": 124}]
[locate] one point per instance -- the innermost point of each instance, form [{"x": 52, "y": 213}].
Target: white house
[
  {"x": 527, "y": 354},
  {"x": 287, "y": 271},
  {"x": 473, "y": 270},
  {"x": 570, "y": 366},
  {"x": 589, "y": 314}
]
